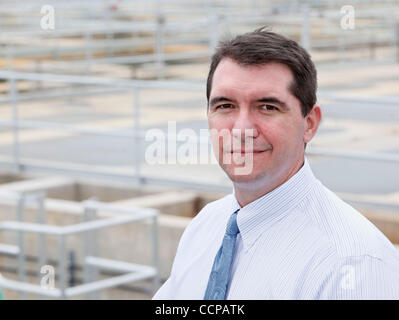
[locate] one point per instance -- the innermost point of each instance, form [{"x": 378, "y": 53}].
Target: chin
[{"x": 244, "y": 178}]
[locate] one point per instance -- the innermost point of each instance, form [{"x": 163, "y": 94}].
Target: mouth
[{"x": 247, "y": 152}]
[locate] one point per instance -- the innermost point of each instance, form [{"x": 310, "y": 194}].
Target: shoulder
[
  {"x": 345, "y": 228},
  {"x": 360, "y": 263},
  {"x": 336, "y": 276},
  {"x": 361, "y": 277}
]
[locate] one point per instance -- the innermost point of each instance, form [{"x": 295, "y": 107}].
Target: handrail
[
  {"x": 92, "y": 263},
  {"x": 114, "y": 82}
]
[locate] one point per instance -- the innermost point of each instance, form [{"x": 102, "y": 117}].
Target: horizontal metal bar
[
  {"x": 376, "y": 156},
  {"x": 28, "y": 287},
  {"x": 141, "y": 59},
  {"x": 30, "y": 227},
  {"x": 50, "y": 93},
  {"x": 101, "y": 206},
  {"x": 98, "y": 224},
  {"x": 131, "y": 59},
  {"x": 22, "y": 50},
  {"x": 205, "y": 139},
  {"x": 108, "y": 283},
  {"x": 27, "y": 197},
  {"x": 9, "y": 249},
  {"x": 94, "y": 29},
  {"x": 147, "y": 84},
  {"x": 368, "y": 203},
  {"x": 97, "y": 45},
  {"x": 116, "y": 265},
  {"x": 394, "y": 101},
  {"x": 70, "y": 128},
  {"x": 76, "y": 228}
]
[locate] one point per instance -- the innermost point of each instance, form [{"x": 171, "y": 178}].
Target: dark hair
[{"x": 261, "y": 47}]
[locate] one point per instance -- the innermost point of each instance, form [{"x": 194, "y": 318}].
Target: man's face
[{"x": 257, "y": 99}]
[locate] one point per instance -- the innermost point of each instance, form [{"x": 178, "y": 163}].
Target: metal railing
[
  {"x": 137, "y": 134},
  {"x": 92, "y": 263},
  {"x": 213, "y": 18}
]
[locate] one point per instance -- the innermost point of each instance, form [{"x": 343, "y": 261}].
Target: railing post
[
  {"x": 90, "y": 273},
  {"x": 155, "y": 252},
  {"x": 136, "y": 130},
  {"x": 86, "y": 267},
  {"x": 71, "y": 269},
  {"x": 62, "y": 270},
  {"x": 159, "y": 45},
  {"x": 42, "y": 219},
  {"x": 15, "y": 119},
  {"x": 20, "y": 239}
]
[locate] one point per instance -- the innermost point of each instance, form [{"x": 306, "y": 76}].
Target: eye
[
  {"x": 268, "y": 107},
  {"x": 224, "y": 106}
]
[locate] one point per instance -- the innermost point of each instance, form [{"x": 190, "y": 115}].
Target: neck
[{"x": 247, "y": 192}]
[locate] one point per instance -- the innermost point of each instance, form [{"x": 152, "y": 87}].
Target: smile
[{"x": 250, "y": 151}]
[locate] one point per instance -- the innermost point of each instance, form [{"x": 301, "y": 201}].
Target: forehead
[{"x": 231, "y": 78}]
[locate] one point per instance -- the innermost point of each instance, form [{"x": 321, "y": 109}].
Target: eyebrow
[
  {"x": 274, "y": 100},
  {"x": 219, "y": 99}
]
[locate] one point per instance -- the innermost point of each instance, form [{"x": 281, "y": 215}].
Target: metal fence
[
  {"x": 315, "y": 23},
  {"x": 92, "y": 263}
]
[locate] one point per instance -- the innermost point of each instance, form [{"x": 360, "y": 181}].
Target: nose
[{"x": 244, "y": 126}]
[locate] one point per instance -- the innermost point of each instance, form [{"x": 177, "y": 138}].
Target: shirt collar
[{"x": 262, "y": 213}]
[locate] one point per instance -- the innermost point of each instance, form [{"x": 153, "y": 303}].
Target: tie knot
[{"x": 232, "y": 228}]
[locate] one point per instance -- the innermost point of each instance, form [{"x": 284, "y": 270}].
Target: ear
[{"x": 312, "y": 121}]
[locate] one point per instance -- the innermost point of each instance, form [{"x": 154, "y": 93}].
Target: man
[{"x": 281, "y": 234}]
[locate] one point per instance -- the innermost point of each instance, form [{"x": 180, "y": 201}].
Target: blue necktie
[{"x": 219, "y": 277}]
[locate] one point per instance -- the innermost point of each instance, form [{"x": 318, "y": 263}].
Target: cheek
[
  {"x": 281, "y": 134},
  {"x": 219, "y": 131},
  {"x": 220, "y": 126},
  {"x": 273, "y": 132},
  {"x": 219, "y": 122}
]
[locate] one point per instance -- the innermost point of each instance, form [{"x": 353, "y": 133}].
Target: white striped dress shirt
[{"x": 299, "y": 241}]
